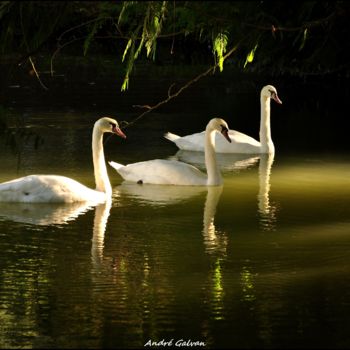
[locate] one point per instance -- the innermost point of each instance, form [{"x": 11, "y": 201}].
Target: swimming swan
[
  {"x": 54, "y": 188},
  {"x": 173, "y": 172},
  {"x": 241, "y": 143}
]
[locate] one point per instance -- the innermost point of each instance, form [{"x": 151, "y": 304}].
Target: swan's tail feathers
[
  {"x": 171, "y": 137},
  {"x": 115, "y": 165}
]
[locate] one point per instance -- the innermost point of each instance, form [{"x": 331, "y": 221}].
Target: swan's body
[
  {"x": 173, "y": 172},
  {"x": 61, "y": 189},
  {"x": 161, "y": 171},
  {"x": 241, "y": 143},
  {"x": 47, "y": 189}
]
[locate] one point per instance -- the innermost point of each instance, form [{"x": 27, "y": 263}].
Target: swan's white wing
[
  {"x": 241, "y": 143},
  {"x": 165, "y": 172},
  {"x": 47, "y": 189},
  {"x": 194, "y": 142}
]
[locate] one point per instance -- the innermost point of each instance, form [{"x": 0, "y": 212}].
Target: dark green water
[{"x": 262, "y": 262}]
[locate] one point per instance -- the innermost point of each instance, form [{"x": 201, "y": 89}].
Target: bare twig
[
  {"x": 36, "y": 73},
  {"x": 27, "y": 46},
  {"x": 169, "y": 90},
  {"x": 310, "y": 24},
  {"x": 178, "y": 92}
]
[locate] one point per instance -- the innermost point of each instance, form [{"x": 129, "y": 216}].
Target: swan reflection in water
[
  {"x": 169, "y": 195},
  {"x": 226, "y": 161},
  {"x": 43, "y": 214},
  {"x": 48, "y": 214},
  {"x": 236, "y": 162},
  {"x": 267, "y": 209},
  {"x": 158, "y": 194},
  {"x": 102, "y": 212},
  {"x": 215, "y": 241}
]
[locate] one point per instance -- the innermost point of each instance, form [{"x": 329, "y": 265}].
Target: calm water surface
[{"x": 262, "y": 262}]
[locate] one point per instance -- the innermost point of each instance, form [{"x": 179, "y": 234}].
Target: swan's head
[
  {"x": 270, "y": 91},
  {"x": 107, "y": 124},
  {"x": 219, "y": 125}
]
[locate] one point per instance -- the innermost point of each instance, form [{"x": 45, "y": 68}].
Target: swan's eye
[
  {"x": 113, "y": 125},
  {"x": 223, "y": 128}
]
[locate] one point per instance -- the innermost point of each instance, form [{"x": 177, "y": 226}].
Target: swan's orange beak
[
  {"x": 276, "y": 98},
  {"x": 118, "y": 131}
]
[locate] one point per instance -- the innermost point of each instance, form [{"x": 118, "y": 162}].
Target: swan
[
  {"x": 173, "y": 172},
  {"x": 61, "y": 189},
  {"x": 241, "y": 143}
]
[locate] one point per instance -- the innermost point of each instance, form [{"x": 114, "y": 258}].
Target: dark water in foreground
[{"x": 262, "y": 262}]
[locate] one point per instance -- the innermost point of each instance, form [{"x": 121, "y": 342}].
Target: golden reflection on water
[
  {"x": 217, "y": 304},
  {"x": 247, "y": 282}
]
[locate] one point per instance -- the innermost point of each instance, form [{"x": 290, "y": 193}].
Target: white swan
[
  {"x": 55, "y": 188},
  {"x": 241, "y": 143},
  {"x": 173, "y": 172}
]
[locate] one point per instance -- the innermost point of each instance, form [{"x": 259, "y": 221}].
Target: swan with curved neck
[
  {"x": 173, "y": 172},
  {"x": 61, "y": 189},
  {"x": 241, "y": 143}
]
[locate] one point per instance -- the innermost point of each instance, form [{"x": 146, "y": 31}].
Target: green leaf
[
  {"x": 90, "y": 36},
  {"x": 219, "y": 48},
  {"x": 250, "y": 56},
  {"x": 127, "y": 48},
  {"x": 125, "y": 83},
  {"x": 304, "y": 39}
]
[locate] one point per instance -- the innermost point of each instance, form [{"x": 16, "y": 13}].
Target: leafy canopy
[{"x": 302, "y": 37}]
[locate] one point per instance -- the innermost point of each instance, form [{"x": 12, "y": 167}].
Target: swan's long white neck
[
  {"x": 265, "y": 127},
  {"x": 100, "y": 169},
  {"x": 213, "y": 172}
]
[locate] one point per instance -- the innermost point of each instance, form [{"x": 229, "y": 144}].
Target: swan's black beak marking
[{"x": 224, "y": 132}]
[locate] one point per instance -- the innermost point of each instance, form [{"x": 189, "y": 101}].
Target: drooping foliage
[{"x": 301, "y": 37}]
